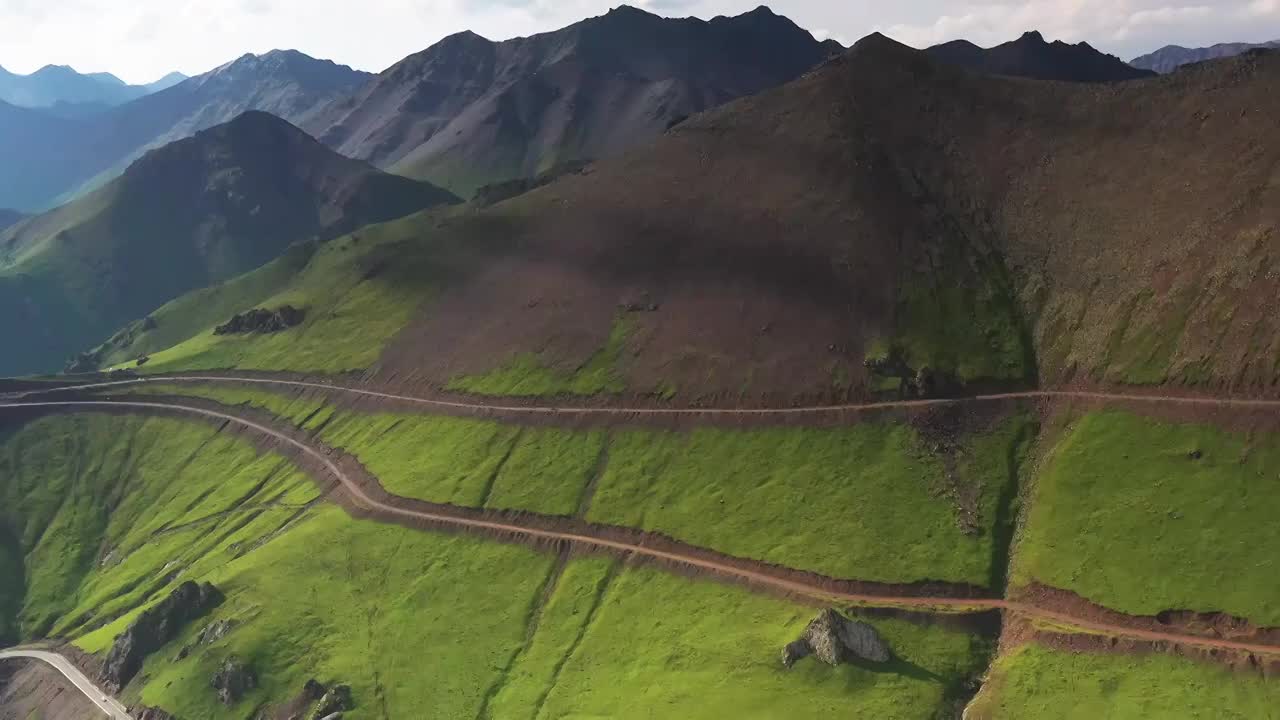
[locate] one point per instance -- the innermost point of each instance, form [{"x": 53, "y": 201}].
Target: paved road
[
  {"x": 543, "y": 410},
  {"x": 96, "y": 695},
  {"x": 690, "y": 560}
]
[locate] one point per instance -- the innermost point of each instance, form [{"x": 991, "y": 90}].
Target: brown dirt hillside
[{"x": 890, "y": 209}]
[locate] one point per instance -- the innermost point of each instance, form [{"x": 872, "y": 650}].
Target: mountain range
[
  {"x": 51, "y": 159},
  {"x": 1171, "y": 57},
  {"x": 468, "y": 112},
  {"x": 1031, "y": 56},
  {"x": 66, "y": 91},
  {"x": 190, "y": 214},
  {"x": 464, "y": 113},
  {"x": 876, "y": 241},
  {"x": 893, "y": 383}
]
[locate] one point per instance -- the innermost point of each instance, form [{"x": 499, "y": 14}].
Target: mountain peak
[
  {"x": 296, "y": 66},
  {"x": 1031, "y": 57},
  {"x": 486, "y": 108},
  {"x": 257, "y": 118},
  {"x": 54, "y": 70},
  {"x": 879, "y": 43},
  {"x": 629, "y": 11},
  {"x": 466, "y": 37}
]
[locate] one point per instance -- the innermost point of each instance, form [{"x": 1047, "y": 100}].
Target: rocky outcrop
[
  {"x": 85, "y": 362},
  {"x": 262, "y": 320},
  {"x": 211, "y": 634},
  {"x": 317, "y": 702},
  {"x": 154, "y": 628},
  {"x": 232, "y": 680},
  {"x": 833, "y": 639},
  {"x": 333, "y": 702}
]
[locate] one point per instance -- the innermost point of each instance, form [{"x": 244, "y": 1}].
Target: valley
[{"x": 626, "y": 370}]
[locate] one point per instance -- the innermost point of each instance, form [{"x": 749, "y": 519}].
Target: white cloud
[
  {"x": 1124, "y": 27},
  {"x": 143, "y": 39}
]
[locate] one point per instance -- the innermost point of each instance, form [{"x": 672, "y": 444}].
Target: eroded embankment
[{"x": 348, "y": 483}]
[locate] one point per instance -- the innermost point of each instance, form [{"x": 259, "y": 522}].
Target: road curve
[
  {"x": 96, "y": 695},
  {"x": 686, "y": 560},
  {"x": 545, "y": 410}
]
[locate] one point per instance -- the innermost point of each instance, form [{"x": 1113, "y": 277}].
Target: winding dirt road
[
  {"x": 552, "y": 410},
  {"x": 687, "y": 560}
]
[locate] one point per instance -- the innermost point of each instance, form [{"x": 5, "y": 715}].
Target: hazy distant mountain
[
  {"x": 467, "y": 111},
  {"x": 50, "y": 160},
  {"x": 1030, "y": 56},
  {"x": 39, "y": 151},
  {"x": 166, "y": 82},
  {"x": 1171, "y": 57},
  {"x": 187, "y": 215},
  {"x": 9, "y": 218},
  {"x": 55, "y": 85}
]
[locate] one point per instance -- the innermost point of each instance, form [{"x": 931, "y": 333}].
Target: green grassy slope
[
  {"x": 1045, "y": 684},
  {"x": 314, "y": 593},
  {"x": 84, "y": 493},
  {"x": 1144, "y": 516},
  {"x": 868, "y": 502},
  {"x": 359, "y": 291},
  {"x": 573, "y": 666},
  {"x": 359, "y": 602},
  {"x": 204, "y": 309}
]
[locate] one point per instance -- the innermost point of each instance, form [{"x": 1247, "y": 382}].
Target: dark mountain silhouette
[
  {"x": 187, "y": 215},
  {"x": 49, "y": 165},
  {"x": 1030, "y": 56},
  {"x": 1171, "y": 57},
  {"x": 468, "y": 112}
]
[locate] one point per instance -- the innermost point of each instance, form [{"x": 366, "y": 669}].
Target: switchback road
[{"x": 759, "y": 576}]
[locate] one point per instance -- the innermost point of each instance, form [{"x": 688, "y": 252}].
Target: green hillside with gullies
[{"x": 863, "y": 382}]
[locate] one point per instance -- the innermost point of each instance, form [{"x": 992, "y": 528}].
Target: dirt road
[
  {"x": 104, "y": 702},
  {"x": 760, "y": 577},
  {"x": 517, "y": 410}
]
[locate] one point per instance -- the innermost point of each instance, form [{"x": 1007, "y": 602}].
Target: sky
[{"x": 141, "y": 40}]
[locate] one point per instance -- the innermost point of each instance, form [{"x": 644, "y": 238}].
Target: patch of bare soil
[
  {"x": 1215, "y": 626},
  {"x": 1021, "y": 631},
  {"x": 30, "y": 688}
]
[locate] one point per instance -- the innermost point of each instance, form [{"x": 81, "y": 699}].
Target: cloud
[
  {"x": 1125, "y": 27},
  {"x": 143, "y": 39}
]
